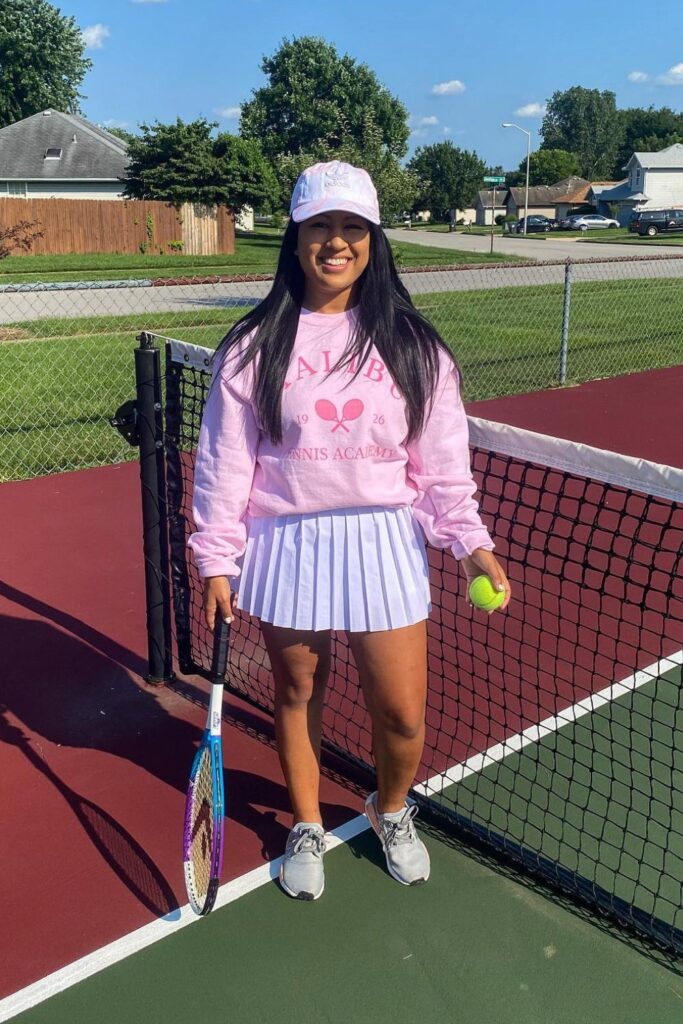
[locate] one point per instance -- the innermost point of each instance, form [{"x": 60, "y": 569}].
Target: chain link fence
[{"x": 66, "y": 350}]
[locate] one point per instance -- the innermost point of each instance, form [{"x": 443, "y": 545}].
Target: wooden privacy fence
[{"x": 123, "y": 225}]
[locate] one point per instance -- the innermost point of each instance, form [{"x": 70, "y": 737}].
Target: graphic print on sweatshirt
[
  {"x": 327, "y": 410},
  {"x": 352, "y": 413}
]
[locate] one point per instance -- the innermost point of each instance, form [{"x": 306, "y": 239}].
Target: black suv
[{"x": 651, "y": 222}]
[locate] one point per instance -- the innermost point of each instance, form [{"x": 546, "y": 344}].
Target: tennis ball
[{"x": 484, "y": 596}]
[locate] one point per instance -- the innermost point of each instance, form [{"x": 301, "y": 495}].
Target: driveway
[{"x": 535, "y": 247}]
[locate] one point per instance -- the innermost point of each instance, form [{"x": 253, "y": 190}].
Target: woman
[{"x": 334, "y": 440}]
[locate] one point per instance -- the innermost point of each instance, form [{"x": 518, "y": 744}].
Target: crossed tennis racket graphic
[{"x": 327, "y": 410}]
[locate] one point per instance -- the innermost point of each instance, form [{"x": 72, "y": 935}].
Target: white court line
[
  {"x": 535, "y": 733},
  {"x": 150, "y": 933}
]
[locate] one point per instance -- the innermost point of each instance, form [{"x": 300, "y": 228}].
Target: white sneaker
[
  {"x": 301, "y": 874},
  {"x": 406, "y": 854}
]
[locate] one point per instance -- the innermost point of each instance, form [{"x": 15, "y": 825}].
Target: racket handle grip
[{"x": 221, "y": 646}]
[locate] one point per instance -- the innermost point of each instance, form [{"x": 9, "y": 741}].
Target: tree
[
  {"x": 41, "y": 60},
  {"x": 19, "y": 236},
  {"x": 120, "y": 133},
  {"x": 449, "y": 178},
  {"x": 646, "y": 130},
  {"x": 546, "y": 166},
  {"x": 316, "y": 100},
  {"x": 585, "y": 122},
  {"x": 396, "y": 186},
  {"x": 183, "y": 163},
  {"x": 249, "y": 178}
]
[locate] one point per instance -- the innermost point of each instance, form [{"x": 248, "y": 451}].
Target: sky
[{"x": 460, "y": 68}]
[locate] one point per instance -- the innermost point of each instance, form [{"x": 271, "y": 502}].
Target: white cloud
[
  {"x": 451, "y": 88},
  {"x": 113, "y": 122},
  {"x": 446, "y": 130},
  {"x": 674, "y": 76},
  {"x": 419, "y": 133},
  {"x": 531, "y": 110},
  {"x": 229, "y": 113},
  {"x": 421, "y": 122},
  {"x": 638, "y": 76},
  {"x": 94, "y": 36}
]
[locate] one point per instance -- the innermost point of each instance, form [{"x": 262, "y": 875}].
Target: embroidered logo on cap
[{"x": 337, "y": 179}]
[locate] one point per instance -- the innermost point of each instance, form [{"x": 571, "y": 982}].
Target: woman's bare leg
[
  {"x": 301, "y": 664},
  {"x": 392, "y": 665}
]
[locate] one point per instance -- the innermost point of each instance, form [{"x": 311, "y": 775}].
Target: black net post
[
  {"x": 177, "y": 509},
  {"x": 153, "y": 488}
]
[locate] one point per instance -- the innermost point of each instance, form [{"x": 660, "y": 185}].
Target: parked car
[
  {"x": 534, "y": 222},
  {"x": 567, "y": 223},
  {"x": 651, "y": 222},
  {"x": 634, "y": 222},
  {"x": 586, "y": 221}
]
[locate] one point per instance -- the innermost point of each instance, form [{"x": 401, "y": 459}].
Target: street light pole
[{"x": 528, "y": 155}]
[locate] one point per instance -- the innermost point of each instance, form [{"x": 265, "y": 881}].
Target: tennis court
[{"x": 477, "y": 944}]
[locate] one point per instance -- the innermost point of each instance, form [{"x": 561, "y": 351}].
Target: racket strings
[{"x": 202, "y": 826}]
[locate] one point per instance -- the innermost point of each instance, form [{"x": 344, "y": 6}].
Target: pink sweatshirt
[{"x": 343, "y": 447}]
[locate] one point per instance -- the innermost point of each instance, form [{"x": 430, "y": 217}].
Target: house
[
  {"x": 244, "y": 221},
  {"x": 484, "y": 210},
  {"x": 655, "y": 181},
  {"x": 542, "y": 198},
  {"x": 55, "y": 155},
  {"x": 586, "y": 199}
]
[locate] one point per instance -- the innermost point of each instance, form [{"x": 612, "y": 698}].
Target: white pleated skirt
[{"x": 357, "y": 570}]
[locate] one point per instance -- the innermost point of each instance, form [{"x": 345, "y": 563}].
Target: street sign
[{"x": 494, "y": 179}]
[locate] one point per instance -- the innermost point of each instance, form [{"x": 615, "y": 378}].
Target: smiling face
[{"x": 334, "y": 250}]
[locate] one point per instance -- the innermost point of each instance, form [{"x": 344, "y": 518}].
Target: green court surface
[
  {"x": 599, "y": 796},
  {"x": 473, "y": 946}
]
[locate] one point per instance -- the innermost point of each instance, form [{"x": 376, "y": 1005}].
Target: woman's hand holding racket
[
  {"x": 484, "y": 563},
  {"x": 218, "y": 596}
]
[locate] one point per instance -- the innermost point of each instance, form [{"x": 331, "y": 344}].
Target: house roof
[
  {"x": 87, "y": 152},
  {"x": 672, "y": 156},
  {"x": 581, "y": 195},
  {"x": 567, "y": 185},
  {"x": 620, "y": 193},
  {"x": 548, "y": 195},
  {"x": 485, "y": 198}
]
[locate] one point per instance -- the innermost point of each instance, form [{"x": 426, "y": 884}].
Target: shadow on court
[
  {"x": 120, "y": 850},
  {"x": 74, "y": 692}
]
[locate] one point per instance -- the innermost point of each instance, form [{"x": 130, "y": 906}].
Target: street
[
  {"x": 26, "y": 305},
  {"x": 552, "y": 246}
]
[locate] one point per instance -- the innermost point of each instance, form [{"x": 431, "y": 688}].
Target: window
[
  {"x": 17, "y": 189},
  {"x": 53, "y": 153}
]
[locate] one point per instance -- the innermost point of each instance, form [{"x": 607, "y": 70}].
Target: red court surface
[
  {"x": 94, "y": 762},
  {"x": 638, "y": 414}
]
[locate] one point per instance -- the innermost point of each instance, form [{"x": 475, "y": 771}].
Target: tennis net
[{"x": 555, "y": 729}]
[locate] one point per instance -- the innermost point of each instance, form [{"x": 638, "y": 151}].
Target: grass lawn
[
  {"x": 255, "y": 254},
  {"x": 627, "y": 238},
  {"x": 605, "y": 234},
  {"x": 65, "y": 378}
]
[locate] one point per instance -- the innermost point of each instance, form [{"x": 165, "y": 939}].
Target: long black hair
[{"x": 386, "y": 318}]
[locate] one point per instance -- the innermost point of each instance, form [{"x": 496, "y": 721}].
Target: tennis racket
[{"x": 204, "y": 804}]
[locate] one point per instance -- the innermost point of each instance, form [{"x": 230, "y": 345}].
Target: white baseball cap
[{"x": 334, "y": 186}]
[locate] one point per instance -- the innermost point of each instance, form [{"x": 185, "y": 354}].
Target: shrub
[{"x": 19, "y": 236}]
